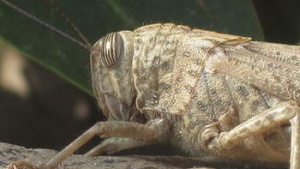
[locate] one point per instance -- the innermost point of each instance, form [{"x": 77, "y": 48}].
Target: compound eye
[{"x": 112, "y": 49}]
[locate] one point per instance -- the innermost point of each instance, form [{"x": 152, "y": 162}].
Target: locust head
[{"x": 111, "y": 69}]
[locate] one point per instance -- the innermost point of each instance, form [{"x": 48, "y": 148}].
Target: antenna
[
  {"x": 85, "y": 45},
  {"x": 70, "y": 23}
]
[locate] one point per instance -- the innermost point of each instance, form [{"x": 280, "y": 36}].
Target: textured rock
[{"x": 10, "y": 153}]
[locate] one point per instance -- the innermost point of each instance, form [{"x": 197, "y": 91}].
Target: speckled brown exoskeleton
[{"x": 205, "y": 92}]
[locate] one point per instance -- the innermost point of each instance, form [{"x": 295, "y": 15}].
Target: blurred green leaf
[{"x": 96, "y": 18}]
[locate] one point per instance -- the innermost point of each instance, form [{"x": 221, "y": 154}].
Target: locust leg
[
  {"x": 116, "y": 144},
  {"x": 295, "y": 142},
  {"x": 227, "y": 141},
  {"x": 155, "y": 130}
]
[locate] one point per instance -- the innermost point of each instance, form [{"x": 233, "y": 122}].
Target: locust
[{"x": 203, "y": 91}]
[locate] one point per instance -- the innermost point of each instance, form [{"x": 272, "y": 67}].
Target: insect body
[{"x": 205, "y": 92}]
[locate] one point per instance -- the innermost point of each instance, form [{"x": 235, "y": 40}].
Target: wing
[{"x": 272, "y": 68}]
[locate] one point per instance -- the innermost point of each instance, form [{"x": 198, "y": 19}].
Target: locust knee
[{"x": 225, "y": 142}]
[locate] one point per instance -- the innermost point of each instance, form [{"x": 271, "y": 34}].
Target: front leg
[
  {"x": 153, "y": 131},
  {"x": 116, "y": 144},
  {"x": 229, "y": 143}
]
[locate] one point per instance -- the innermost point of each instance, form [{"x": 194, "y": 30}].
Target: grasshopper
[{"x": 206, "y": 92}]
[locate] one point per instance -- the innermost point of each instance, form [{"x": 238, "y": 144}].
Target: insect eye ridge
[{"x": 111, "y": 49}]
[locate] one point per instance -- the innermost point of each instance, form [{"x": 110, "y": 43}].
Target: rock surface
[{"x": 10, "y": 153}]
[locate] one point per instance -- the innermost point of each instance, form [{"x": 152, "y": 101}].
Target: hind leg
[{"x": 227, "y": 142}]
